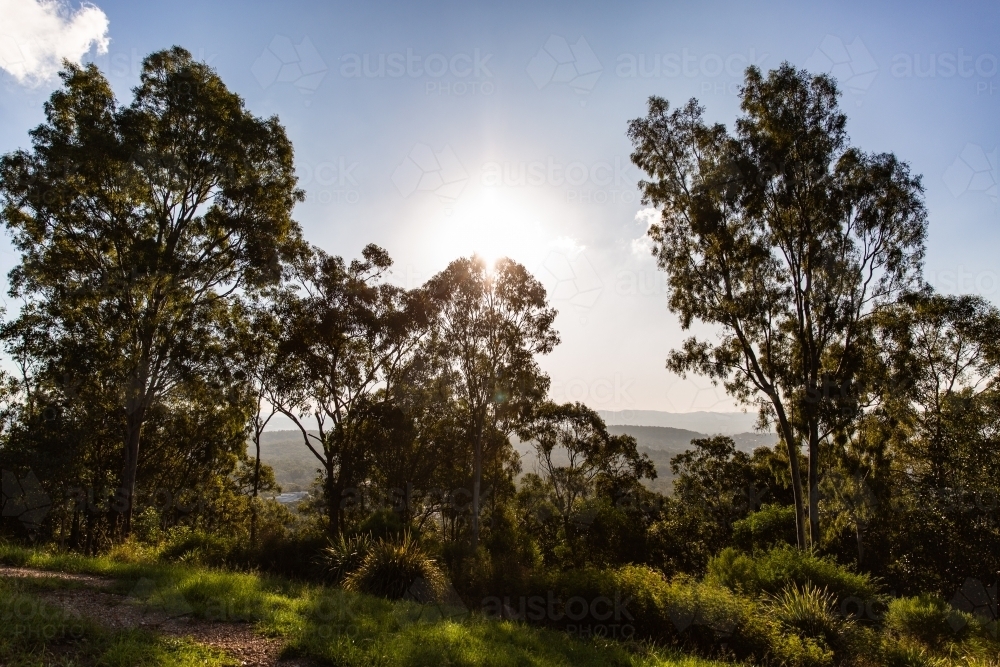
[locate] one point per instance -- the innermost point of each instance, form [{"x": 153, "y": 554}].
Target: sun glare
[{"x": 490, "y": 224}]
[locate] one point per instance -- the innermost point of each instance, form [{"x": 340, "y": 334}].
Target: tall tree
[
  {"x": 134, "y": 222},
  {"x": 489, "y": 323},
  {"x": 787, "y": 239}
]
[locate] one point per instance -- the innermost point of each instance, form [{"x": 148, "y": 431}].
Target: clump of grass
[
  {"x": 809, "y": 611},
  {"x": 345, "y": 555},
  {"x": 393, "y": 568}
]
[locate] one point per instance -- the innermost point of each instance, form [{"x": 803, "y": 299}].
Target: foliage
[
  {"x": 787, "y": 239},
  {"x": 488, "y": 324},
  {"x": 398, "y": 568},
  {"x": 810, "y": 611},
  {"x": 768, "y": 527},
  {"x": 771, "y": 571},
  {"x": 345, "y": 555},
  {"x": 715, "y": 487},
  {"x": 135, "y": 223}
]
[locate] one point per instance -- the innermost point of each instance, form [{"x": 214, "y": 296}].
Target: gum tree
[
  {"x": 786, "y": 240},
  {"x": 345, "y": 336},
  {"x": 137, "y": 222},
  {"x": 488, "y": 325}
]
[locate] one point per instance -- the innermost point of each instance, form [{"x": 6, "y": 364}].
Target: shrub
[
  {"x": 197, "y": 547},
  {"x": 767, "y": 573},
  {"x": 771, "y": 526},
  {"x": 384, "y": 524},
  {"x": 345, "y": 555},
  {"x": 702, "y": 617},
  {"x": 809, "y": 611},
  {"x": 394, "y": 568},
  {"x": 927, "y": 618}
]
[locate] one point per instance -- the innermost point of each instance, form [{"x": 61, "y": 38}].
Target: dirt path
[{"x": 93, "y": 601}]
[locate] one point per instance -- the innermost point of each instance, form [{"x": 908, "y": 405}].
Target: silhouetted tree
[{"x": 489, "y": 323}]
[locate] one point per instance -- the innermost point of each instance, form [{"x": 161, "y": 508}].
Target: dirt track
[{"x": 92, "y": 600}]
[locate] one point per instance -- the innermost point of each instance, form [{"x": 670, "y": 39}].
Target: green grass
[{"x": 330, "y": 625}]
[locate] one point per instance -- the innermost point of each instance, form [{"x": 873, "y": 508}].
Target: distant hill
[
  {"x": 662, "y": 438},
  {"x": 725, "y": 423},
  {"x": 295, "y": 467}
]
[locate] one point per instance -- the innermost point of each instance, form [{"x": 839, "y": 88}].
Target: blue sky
[{"x": 439, "y": 130}]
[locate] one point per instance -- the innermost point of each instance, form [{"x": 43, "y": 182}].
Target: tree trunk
[
  {"x": 256, "y": 490},
  {"x": 793, "y": 462},
  {"x": 333, "y": 495},
  {"x": 813, "y": 484},
  {"x": 126, "y": 494},
  {"x": 477, "y": 477}
]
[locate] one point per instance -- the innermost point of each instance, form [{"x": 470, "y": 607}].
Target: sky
[{"x": 436, "y": 130}]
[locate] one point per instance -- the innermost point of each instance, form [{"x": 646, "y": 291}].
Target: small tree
[
  {"x": 344, "y": 337},
  {"x": 787, "y": 240},
  {"x": 575, "y": 450}
]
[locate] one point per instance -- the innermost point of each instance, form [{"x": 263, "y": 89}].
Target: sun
[{"x": 488, "y": 223}]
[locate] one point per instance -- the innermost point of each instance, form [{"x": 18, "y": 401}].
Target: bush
[
  {"x": 345, "y": 555},
  {"x": 695, "y": 616},
  {"x": 927, "y": 619},
  {"x": 383, "y": 524},
  {"x": 394, "y": 568},
  {"x": 811, "y": 612},
  {"x": 771, "y": 526},
  {"x": 197, "y": 547},
  {"x": 768, "y": 573}
]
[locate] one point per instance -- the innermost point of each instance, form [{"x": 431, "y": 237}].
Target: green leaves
[{"x": 785, "y": 239}]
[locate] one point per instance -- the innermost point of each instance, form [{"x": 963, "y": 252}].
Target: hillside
[{"x": 295, "y": 467}]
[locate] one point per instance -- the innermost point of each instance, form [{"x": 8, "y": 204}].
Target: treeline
[{"x": 170, "y": 307}]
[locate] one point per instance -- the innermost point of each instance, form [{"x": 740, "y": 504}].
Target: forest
[{"x": 168, "y": 308}]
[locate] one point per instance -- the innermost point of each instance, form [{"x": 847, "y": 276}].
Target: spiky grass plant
[
  {"x": 395, "y": 567},
  {"x": 344, "y": 555},
  {"x": 809, "y": 611}
]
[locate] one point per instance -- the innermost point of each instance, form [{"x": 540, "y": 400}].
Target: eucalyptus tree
[
  {"x": 574, "y": 451},
  {"x": 254, "y": 335},
  {"x": 345, "y": 334},
  {"x": 136, "y": 222},
  {"x": 937, "y": 423},
  {"x": 786, "y": 239},
  {"x": 489, "y": 323}
]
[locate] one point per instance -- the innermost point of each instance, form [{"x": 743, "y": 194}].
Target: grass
[
  {"x": 326, "y": 624},
  {"x": 33, "y": 633}
]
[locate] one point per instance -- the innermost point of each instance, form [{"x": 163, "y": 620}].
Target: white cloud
[
  {"x": 642, "y": 247},
  {"x": 36, "y": 35},
  {"x": 567, "y": 245}
]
